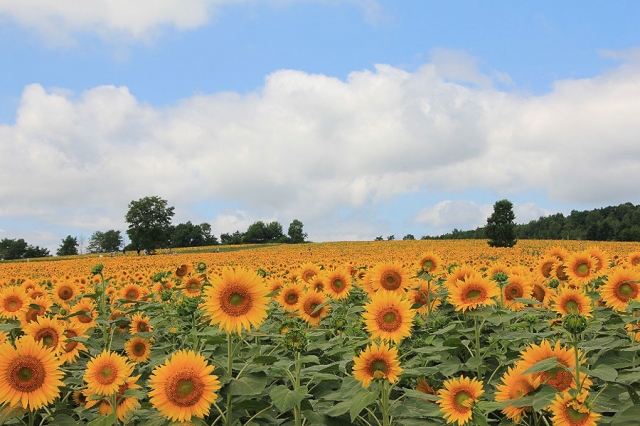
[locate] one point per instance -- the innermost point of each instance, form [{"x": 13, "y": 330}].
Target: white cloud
[
  {"x": 446, "y": 215},
  {"x": 306, "y": 146}
]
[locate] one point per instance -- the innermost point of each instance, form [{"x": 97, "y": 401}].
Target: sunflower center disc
[
  {"x": 627, "y": 290},
  {"x": 184, "y": 390},
  {"x": 572, "y": 306},
  {"x": 576, "y": 416},
  {"x": 513, "y": 291},
  {"x": 474, "y": 294},
  {"x": 236, "y": 299},
  {"x": 65, "y": 293},
  {"x": 391, "y": 280},
  {"x": 378, "y": 366},
  {"x": 583, "y": 269},
  {"x": 460, "y": 399},
  {"x": 107, "y": 373},
  {"x": 138, "y": 349},
  {"x": 337, "y": 284},
  {"x": 26, "y": 374},
  {"x": 428, "y": 265},
  {"x": 292, "y": 298}
]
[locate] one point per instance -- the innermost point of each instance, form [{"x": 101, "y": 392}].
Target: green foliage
[
  {"x": 149, "y": 221},
  {"x": 68, "y": 247},
  {"x": 190, "y": 235},
  {"x": 500, "y": 229},
  {"x": 11, "y": 249},
  {"x": 296, "y": 234},
  {"x": 101, "y": 242}
]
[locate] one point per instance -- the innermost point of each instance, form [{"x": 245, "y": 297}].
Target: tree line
[
  {"x": 612, "y": 223},
  {"x": 150, "y": 228}
]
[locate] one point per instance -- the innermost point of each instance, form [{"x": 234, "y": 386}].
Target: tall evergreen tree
[{"x": 500, "y": 227}]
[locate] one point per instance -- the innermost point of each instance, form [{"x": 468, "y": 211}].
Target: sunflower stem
[
  {"x": 384, "y": 396},
  {"x": 477, "y": 331},
  {"x": 230, "y": 372},
  {"x": 297, "y": 410},
  {"x": 577, "y": 367}
]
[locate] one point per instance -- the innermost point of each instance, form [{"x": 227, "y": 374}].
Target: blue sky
[{"x": 358, "y": 117}]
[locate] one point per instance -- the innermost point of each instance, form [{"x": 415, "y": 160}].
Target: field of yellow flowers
[{"x": 352, "y": 333}]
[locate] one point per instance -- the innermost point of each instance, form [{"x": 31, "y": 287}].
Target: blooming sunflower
[
  {"x": 601, "y": 257},
  {"x": 125, "y": 405},
  {"x": 338, "y": 283},
  {"x": 183, "y": 270},
  {"x": 49, "y": 332},
  {"x": 106, "y": 372},
  {"x": 559, "y": 253},
  {"x": 192, "y": 287},
  {"x": 547, "y": 265},
  {"x": 429, "y": 263},
  {"x": 138, "y": 349},
  {"x": 308, "y": 271},
  {"x": 425, "y": 295},
  {"x": 289, "y": 296},
  {"x": 518, "y": 287},
  {"x": 30, "y": 373},
  {"x": 580, "y": 267},
  {"x": 132, "y": 292},
  {"x": 309, "y": 307},
  {"x": 474, "y": 291},
  {"x": 140, "y": 324},
  {"x": 559, "y": 377},
  {"x": 72, "y": 348},
  {"x": 516, "y": 385},
  {"x": 572, "y": 411},
  {"x": 237, "y": 299},
  {"x": 620, "y": 288},
  {"x": 634, "y": 258},
  {"x": 388, "y": 316},
  {"x": 390, "y": 277},
  {"x": 84, "y": 313},
  {"x": 13, "y": 301},
  {"x": 542, "y": 293},
  {"x": 459, "y": 274},
  {"x": 377, "y": 362},
  {"x": 37, "y": 308},
  {"x": 569, "y": 300},
  {"x": 183, "y": 386},
  {"x": 64, "y": 292},
  {"x": 457, "y": 399}
]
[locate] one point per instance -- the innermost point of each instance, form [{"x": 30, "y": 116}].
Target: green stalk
[
  {"x": 577, "y": 368},
  {"x": 297, "y": 410},
  {"x": 477, "y": 330},
  {"x": 384, "y": 397},
  {"x": 230, "y": 372}
]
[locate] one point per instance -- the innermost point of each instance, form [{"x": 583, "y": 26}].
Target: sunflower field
[{"x": 353, "y": 333}]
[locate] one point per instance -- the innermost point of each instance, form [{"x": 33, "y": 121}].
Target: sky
[{"x": 360, "y": 118}]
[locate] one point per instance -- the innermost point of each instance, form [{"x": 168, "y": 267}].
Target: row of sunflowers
[{"x": 403, "y": 333}]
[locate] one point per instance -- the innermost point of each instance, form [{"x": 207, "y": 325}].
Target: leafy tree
[
  {"x": 500, "y": 227},
  {"x": 255, "y": 233},
  {"x": 11, "y": 249},
  {"x": 149, "y": 221},
  {"x": 190, "y": 235},
  {"x": 273, "y": 232},
  {"x": 35, "y": 251},
  {"x": 409, "y": 237},
  {"x": 235, "y": 238},
  {"x": 379, "y": 238},
  {"x": 68, "y": 247},
  {"x": 296, "y": 234},
  {"x": 108, "y": 241}
]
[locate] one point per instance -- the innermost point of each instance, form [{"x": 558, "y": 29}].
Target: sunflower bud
[
  {"x": 166, "y": 295},
  {"x": 296, "y": 340},
  {"x": 201, "y": 267},
  {"x": 574, "y": 323},
  {"x": 97, "y": 269}
]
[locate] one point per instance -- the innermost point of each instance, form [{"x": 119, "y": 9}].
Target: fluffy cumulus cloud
[{"x": 309, "y": 146}]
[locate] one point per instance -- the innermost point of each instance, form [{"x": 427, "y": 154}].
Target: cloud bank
[{"x": 312, "y": 147}]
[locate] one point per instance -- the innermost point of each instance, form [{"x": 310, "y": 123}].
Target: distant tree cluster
[
  {"x": 613, "y": 223},
  {"x": 260, "y": 232},
  {"x": 11, "y": 249}
]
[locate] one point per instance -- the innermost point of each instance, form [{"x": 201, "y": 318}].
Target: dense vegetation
[{"x": 613, "y": 223}]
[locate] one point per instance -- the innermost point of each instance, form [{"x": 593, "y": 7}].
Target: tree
[
  {"x": 149, "y": 221},
  {"x": 408, "y": 237},
  {"x": 11, "y": 249},
  {"x": 255, "y": 233},
  {"x": 296, "y": 233},
  {"x": 108, "y": 241},
  {"x": 68, "y": 247},
  {"x": 500, "y": 227}
]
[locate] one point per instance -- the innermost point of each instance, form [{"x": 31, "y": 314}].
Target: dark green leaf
[{"x": 251, "y": 384}]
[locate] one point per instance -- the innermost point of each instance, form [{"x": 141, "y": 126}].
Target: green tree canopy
[
  {"x": 11, "y": 249},
  {"x": 296, "y": 234},
  {"x": 149, "y": 220},
  {"x": 108, "y": 241},
  {"x": 68, "y": 247},
  {"x": 500, "y": 227}
]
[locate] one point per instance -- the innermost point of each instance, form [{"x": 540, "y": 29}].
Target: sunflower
[
  {"x": 140, "y": 324},
  {"x": 338, "y": 283},
  {"x": 429, "y": 263},
  {"x": 377, "y": 362},
  {"x": 308, "y": 271},
  {"x": 238, "y": 299},
  {"x": 183, "y": 386},
  {"x": 601, "y": 257},
  {"x": 572, "y": 411},
  {"x": 72, "y": 348},
  {"x": 459, "y": 274},
  {"x": 309, "y": 307},
  {"x": 84, "y": 313},
  {"x": 388, "y": 316},
  {"x": 49, "y": 332},
  {"x": 138, "y": 349},
  {"x": 425, "y": 296},
  {"x": 570, "y": 300},
  {"x": 580, "y": 267},
  {"x": 458, "y": 397},
  {"x": 64, "y": 292},
  {"x": 542, "y": 293},
  {"x": 516, "y": 385},
  {"x": 121, "y": 321},
  {"x": 517, "y": 287},
  {"x": 474, "y": 291},
  {"x": 559, "y": 253},
  {"x": 316, "y": 283},
  {"x": 560, "y": 272},
  {"x": 390, "y": 277},
  {"x": 37, "y": 308},
  {"x": 30, "y": 373},
  {"x": 634, "y": 258},
  {"x": 289, "y": 296},
  {"x": 106, "y": 372},
  {"x": 125, "y": 405},
  {"x": 620, "y": 288},
  {"x": 559, "y": 377},
  {"x": 192, "y": 287},
  {"x": 546, "y": 265},
  {"x": 183, "y": 270},
  {"x": 13, "y": 301},
  {"x": 132, "y": 292}
]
